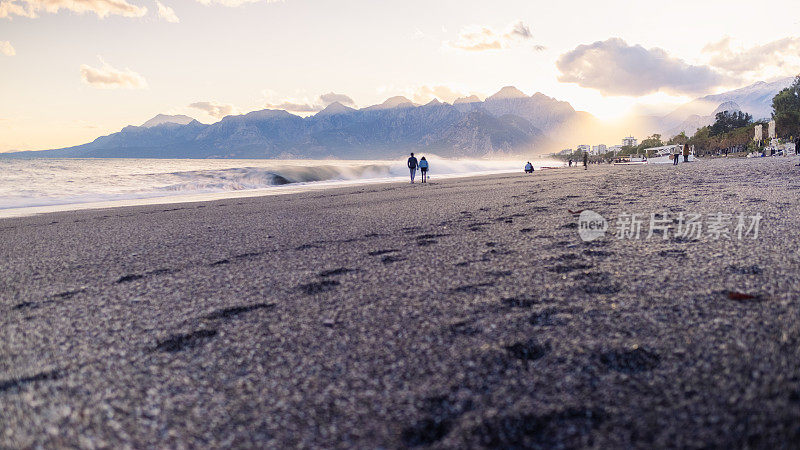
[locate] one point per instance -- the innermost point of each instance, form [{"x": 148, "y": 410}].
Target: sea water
[{"x": 29, "y": 186}]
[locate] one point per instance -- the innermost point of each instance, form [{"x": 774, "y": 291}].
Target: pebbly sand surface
[{"x": 460, "y": 314}]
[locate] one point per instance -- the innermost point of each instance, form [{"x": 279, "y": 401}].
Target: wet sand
[{"x": 462, "y": 313}]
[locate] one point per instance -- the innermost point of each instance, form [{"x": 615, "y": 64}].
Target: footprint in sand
[
  {"x": 568, "y": 429},
  {"x": 179, "y": 342},
  {"x": 529, "y": 350},
  {"x": 6, "y": 385},
  {"x": 233, "y": 311},
  {"x": 318, "y": 287},
  {"x": 630, "y": 361}
]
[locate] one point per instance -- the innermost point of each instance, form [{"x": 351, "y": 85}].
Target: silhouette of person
[
  {"x": 412, "y": 166},
  {"x": 423, "y": 169},
  {"x": 585, "y": 160},
  {"x": 529, "y": 167}
]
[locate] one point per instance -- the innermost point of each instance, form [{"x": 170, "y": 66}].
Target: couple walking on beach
[
  {"x": 676, "y": 154},
  {"x": 413, "y": 164}
]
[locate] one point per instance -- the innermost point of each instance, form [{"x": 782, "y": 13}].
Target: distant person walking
[
  {"x": 570, "y": 162},
  {"x": 412, "y": 166},
  {"x": 797, "y": 148},
  {"x": 529, "y": 167},
  {"x": 675, "y": 156},
  {"x": 585, "y": 160},
  {"x": 423, "y": 169},
  {"x": 686, "y": 153}
]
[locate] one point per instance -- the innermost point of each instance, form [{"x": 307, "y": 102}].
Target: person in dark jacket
[
  {"x": 585, "y": 160},
  {"x": 686, "y": 153},
  {"x": 412, "y": 166},
  {"x": 797, "y": 148}
]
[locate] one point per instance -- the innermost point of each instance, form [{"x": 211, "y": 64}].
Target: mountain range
[{"x": 506, "y": 123}]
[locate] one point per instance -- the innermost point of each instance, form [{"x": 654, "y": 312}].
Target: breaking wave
[
  {"x": 48, "y": 182},
  {"x": 236, "y": 179}
]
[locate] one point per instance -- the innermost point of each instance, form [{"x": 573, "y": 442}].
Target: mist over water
[{"x": 47, "y": 182}]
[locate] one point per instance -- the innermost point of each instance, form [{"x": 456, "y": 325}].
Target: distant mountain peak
[
  {"x": 335, "y": 108},
  {"x": 757, "y": 88},
  {"x": 541, "y": 96},
  {"x": 471, "y": 99},
  {"x": 265, "y": 114},
  {"x": 161, "y": 119},
  {"x": 394, "y": 102},
  {"x": 434, "y": 102},
  {"x": 507, "y": 92},
  {"x": 727, "y": 106}
]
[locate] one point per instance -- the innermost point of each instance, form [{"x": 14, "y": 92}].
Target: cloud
[
  {"x": 7, "y": 49},
  {"x": 234, "y": 3},
  {"x": 739, "y": 61},
  {"x": 479, "y": 38},
  {"x": 615, "y": 68},
  {"x": 102, "y": 8},
  {"x": 305, "y": 104},
  {"x": 108, "y": 77},
  {"x": 218, "y": 110},
  {"x": 330, "y": 97},
  {"x": 8, "y": 9},
  {"x": 294, "y": 107},
  {"x": 167, "y": 13}
]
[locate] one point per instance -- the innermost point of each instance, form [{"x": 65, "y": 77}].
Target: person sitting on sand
[
  {"x": 412, "y": 165},
  {"x": 529, "y": 167},
  {"x": 423, "y": 169}
]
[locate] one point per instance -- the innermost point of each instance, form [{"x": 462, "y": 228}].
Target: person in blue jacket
[
  {"x": 423, "y": 169},
  {"x": 412, "y": 166},
  {"x": 529, "y": 167}
]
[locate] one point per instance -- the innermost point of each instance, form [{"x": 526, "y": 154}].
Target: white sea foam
[{"x": 49, "y": 182}]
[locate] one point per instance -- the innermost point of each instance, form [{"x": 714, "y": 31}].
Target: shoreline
[
  {"x": 291, "y": 188},
  {"x": 467, "y": 313}
]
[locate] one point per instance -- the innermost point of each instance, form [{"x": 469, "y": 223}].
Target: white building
[
  {"x": 630, "y": 141},
  {"x": 599, "y": 149},
  {"x": 615, "y": 148},
  {"x": 585, "y": 148}
]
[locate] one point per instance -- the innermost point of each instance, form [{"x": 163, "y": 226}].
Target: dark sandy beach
[{"x": 459, "y": 314}]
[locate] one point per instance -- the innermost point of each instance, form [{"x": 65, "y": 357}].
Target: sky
[{"x": 73, "y": 70}]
